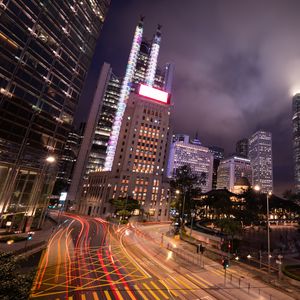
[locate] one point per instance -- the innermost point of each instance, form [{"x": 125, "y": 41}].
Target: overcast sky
[{"x": 237, "y": 64}]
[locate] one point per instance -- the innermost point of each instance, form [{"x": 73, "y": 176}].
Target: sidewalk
[
  {"x": 39, "y": 240},
  {"x": 160, "y": 235}
]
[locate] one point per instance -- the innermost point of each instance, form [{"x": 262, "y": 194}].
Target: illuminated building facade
[
  {"x": 218, "y": 154},
  {"x": 242, "y": 148},
  {"x": 296, "y": 140},
  {"x": 99, "y": 142},
  {"x": 104, "y": 125},
  {"x": 199, "y": 158},
  {"x": 46, "y": 48},
  {"x": 124, "y": 94},
  {"x": 260, "y": 154},
  {"x": 139, "y": 165},
  {"x": 231, "y": 170}
]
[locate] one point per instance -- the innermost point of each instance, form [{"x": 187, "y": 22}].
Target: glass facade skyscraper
[
  {"x": 45, "y": 50},
  {"x": 260, "y": 154},
  {"x": 296, "y": 140}
]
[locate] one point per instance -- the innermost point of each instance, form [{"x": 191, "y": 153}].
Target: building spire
[
  {"x": 151, "y": 71},
  {"x": 124, "y": 94}
]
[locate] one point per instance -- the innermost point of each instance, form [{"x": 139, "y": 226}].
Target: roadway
[{"x": 87, "y": 258}]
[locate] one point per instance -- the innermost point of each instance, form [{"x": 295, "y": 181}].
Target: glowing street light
[
  {"x": 257, "y": 188},
  {"x": 50, "y": 159}
]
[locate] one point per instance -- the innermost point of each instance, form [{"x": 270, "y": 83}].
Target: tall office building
[
  {"x": 296, "y": 140},
  {"x": 231, "y": 170},
  {"x": 104, "y": 125},
  {"x": 139, "y": 165},
  {"x": 199, "y": 158},
  {"x": 260, "y": 154},
  {"x": 218, "y": 154},
  {"x": 46, "y": 48},
  {"x": 242, "y": 148},
  {"x": 79, "y": 173},
  {"x": 106, "y": 112}
]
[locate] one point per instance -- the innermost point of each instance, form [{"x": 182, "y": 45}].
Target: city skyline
[{"x": 253, "y": 93}]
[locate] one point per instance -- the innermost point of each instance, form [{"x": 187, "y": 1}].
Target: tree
[
  {"x": 125, "y": 206},
  {"x": 13, "y": 284},
  {"x": 185, "y": 181}
]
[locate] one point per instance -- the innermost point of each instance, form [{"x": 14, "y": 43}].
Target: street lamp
[
  {"x": 268, "y": 230},
  {"x": 257, "y": 188}
]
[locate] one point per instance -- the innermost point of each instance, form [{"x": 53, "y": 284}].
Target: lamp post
[
  {"x": 268, "y": 230},
  {"x": 257, "y": 188},
  {"x": 193, "y": 214},
  {"x": 182, "y": 208}
]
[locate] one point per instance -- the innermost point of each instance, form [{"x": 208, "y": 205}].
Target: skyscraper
[
  {"x": 260, "y": 154},
  {"x": 46, "y": 48},
  {"x": 139, "y": 165},
  {"x": 242, "y": 148},
  {"x": 218, "y": 154},
  {"x": 104, "y": 124},
  {"x": 79, "y": 173},
  {"x": 98, "y": 143},
  {"x": 199, "y": 158},
  {"x": 296, "y": 140},
  {"x": 231, "y": 170}
]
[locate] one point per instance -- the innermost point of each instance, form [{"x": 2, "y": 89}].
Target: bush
[
  {"x": 288, "y": 271},
  {"x": 13, "y": 285}
]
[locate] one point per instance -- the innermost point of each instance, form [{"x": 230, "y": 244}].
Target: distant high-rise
[
  {"x": 231, "y": 170},
  {"x": 199, "y": 158},
  {"x": 242, "y": 148},
  {"x": 296, "y": 140},
  {"x": 218, "y": 154},
  {"x": 260, "y": 154},
  {"x": 139, "y": 166},
  {"x": 46, "y": 49}
]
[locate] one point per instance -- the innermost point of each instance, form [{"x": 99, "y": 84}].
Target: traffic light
[
  {"x": 225, "y": 263},
  {"x": 29, "y": 236}
]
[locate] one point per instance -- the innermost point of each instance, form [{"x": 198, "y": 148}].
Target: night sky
[{"x": 237, "y": 64}]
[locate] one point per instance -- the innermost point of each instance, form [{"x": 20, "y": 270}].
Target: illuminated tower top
[
  {"x": 124, "y": 94},
  {"x": 150, "y": 75}
]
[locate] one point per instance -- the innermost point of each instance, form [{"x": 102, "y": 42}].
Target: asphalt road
[{"x": 87, "y": 258}]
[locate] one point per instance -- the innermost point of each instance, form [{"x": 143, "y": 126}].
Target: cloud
[{"x": 236, "y": 63}]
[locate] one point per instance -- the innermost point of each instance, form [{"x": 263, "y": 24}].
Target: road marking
[
  {"x": 140, "y": 292},
  {"x": 168, "y": 288},
  {"x": 186, "y": 285},
  {"x": 150, "y": 291},
  {"x": 130, "y": 293},
  {"x": 197, "y": 281},
  {"x": 160, "y": 290},
  {"x": 95, "y": 296},
  {"x": 106, "y": 293},
  {"x": 119, "y": 295},
  {"x": 176, "y": 285},
  {"x": 202, "y": 279}
]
